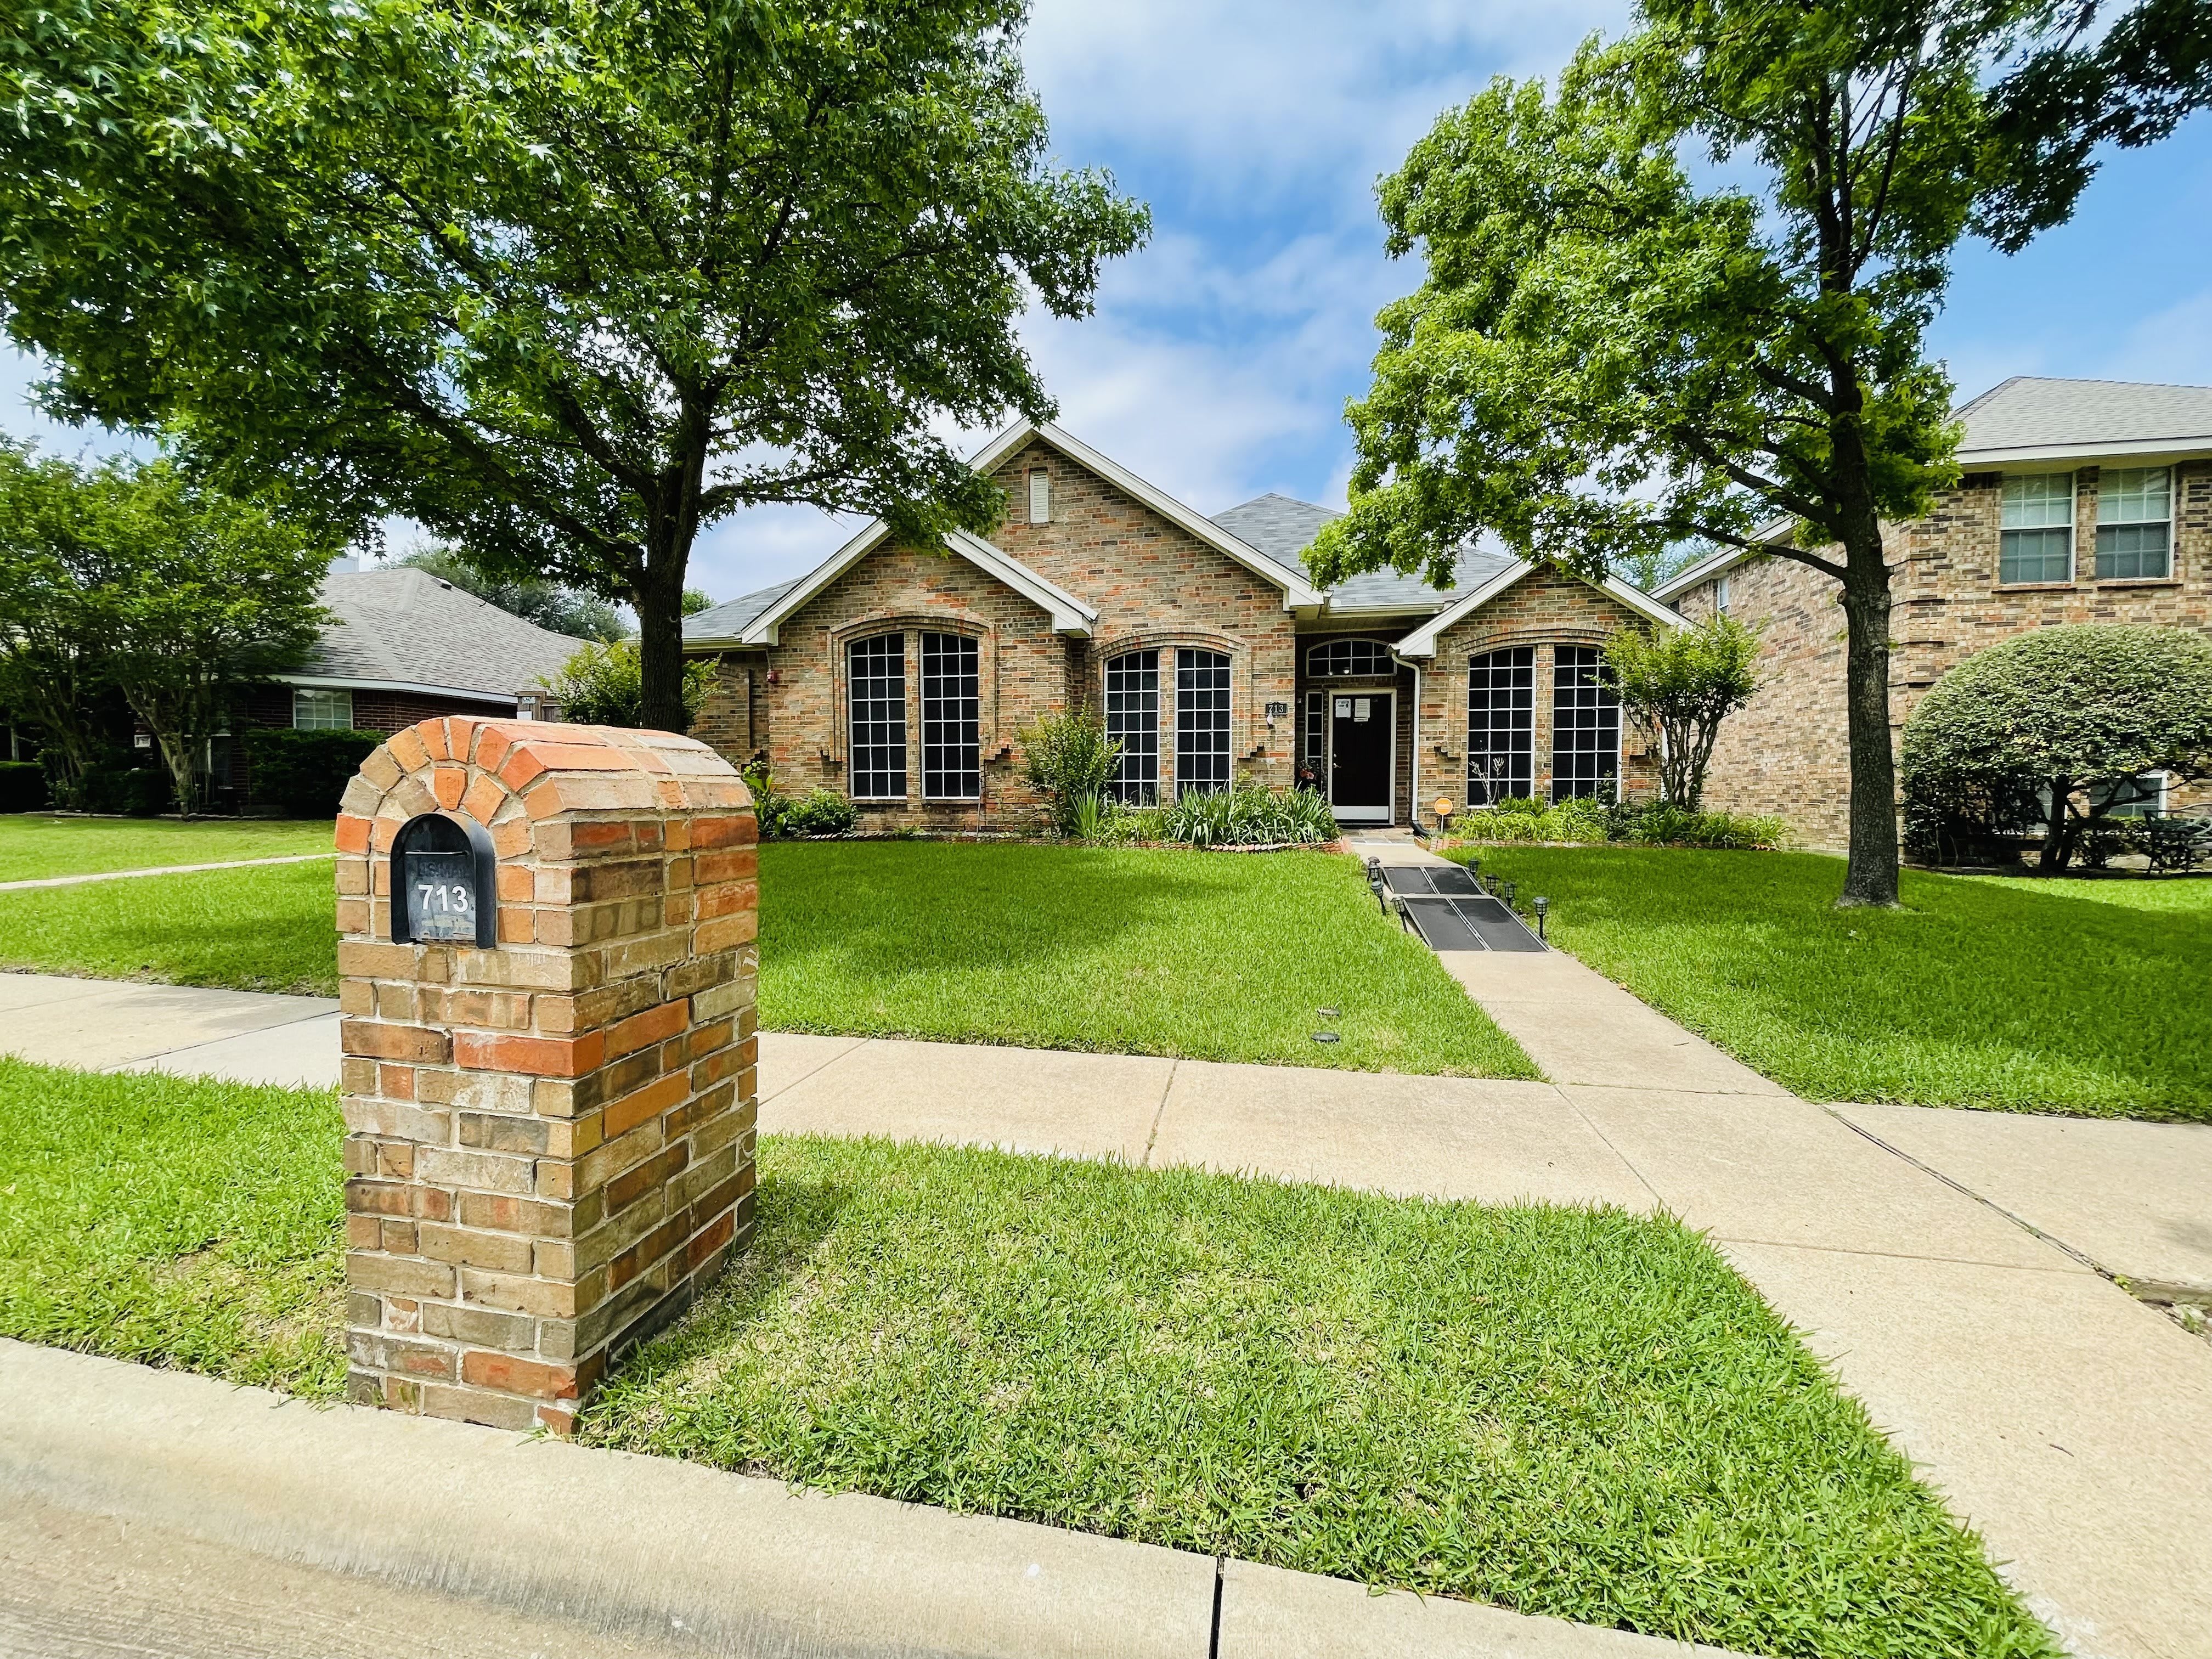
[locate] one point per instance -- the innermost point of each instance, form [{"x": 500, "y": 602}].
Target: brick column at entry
[{"x": 549, "y": 1143}]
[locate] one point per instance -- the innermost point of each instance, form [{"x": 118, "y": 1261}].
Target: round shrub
[{"x": 2064, "y": 715}]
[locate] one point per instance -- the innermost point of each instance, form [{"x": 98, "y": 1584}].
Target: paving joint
[{"x": 159, "y": 870}]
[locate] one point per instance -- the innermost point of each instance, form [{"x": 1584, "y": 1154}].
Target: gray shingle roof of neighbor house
[
  {"x": 1283, "y": 527},
  {"x": 2031, "y": 412},
  {"x": 407, "y": 628},
  {"x": 732, "y": 617}
]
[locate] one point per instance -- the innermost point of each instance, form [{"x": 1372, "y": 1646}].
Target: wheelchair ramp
[{"x": 1447, "y": 907}]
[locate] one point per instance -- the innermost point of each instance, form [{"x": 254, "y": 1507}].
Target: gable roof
[
  {"x": 2030, "y": 417},
  {"x": 755, "y": 618},
  {"x": 401, "y": 629},
  {"x": 1283, "y": 527},
  {"x": 1422, "y": 642}
]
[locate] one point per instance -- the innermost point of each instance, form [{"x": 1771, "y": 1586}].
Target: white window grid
[
  {"x": 1132, "y": 719},
  {"x": 1501, "y": 725},
  {"x": 1585, "y": 724},
  {"x": 1341, "y": 657},
  {"x": 2134, "y": 524},
  {"x": 1201, "y": 761},
  {"x": 317, "y": 710},
  {"x": 951, "y": 714},
  {"x": 1316, "y": 733},
  {"x": 875, "y": 694},
  {"x": 2035, "y": 539}
]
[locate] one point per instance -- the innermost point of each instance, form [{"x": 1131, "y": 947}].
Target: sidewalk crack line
[{"x": 1153, "y": 1139}]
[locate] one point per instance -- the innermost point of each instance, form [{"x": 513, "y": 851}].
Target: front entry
[{"x": 1363, "y": 753}]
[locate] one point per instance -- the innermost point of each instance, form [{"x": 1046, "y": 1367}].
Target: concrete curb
[
  {"x": 159, "y": 870},
  {"x": 671, "y": 1556}
]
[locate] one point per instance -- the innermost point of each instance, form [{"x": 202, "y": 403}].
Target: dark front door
[{"x": 1362, "y": 736}]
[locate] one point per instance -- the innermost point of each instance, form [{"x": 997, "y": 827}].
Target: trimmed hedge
[
  {"x": 304, "y": 772},
  {"x": 22, "y": 787}
]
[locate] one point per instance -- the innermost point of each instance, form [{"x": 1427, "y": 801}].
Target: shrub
[
  {"x": 1579, "y": 817},
  {"x": 1249, "y": 815},
  {"x": 1684, "y": 682},
  {"x": 140, "y": 792},
  {"x": 23, "y": 786},
  {"x": 771, "y": 806},
  {"x": 821, "y": 812},
  {"x": 599, "y": 686},
  {"x": 2047, "y": 731},
  {"x": 304, "y": 772},
  {"x": 1068, "y": 759},
  {"x": 1667, "y": 825}
]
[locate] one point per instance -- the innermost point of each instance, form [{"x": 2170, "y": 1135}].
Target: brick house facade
[
  {"x": 903, "y": 677},
  {"x": 1993, "y": 559}
]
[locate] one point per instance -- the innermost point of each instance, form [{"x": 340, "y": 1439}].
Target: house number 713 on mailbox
[{"x": 442, "y": 874}]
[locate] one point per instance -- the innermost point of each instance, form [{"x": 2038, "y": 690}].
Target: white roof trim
[
  {"x": 1298, "y": 592},
  {"x": 1422, "y": 642},
  {"x": 1974, "y": 460},
  {"x": 338, "y": 682},
  {"x": 1069, "y": 614}
]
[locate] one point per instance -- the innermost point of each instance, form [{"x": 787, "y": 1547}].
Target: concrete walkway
[
  {"x": 162, "y": 870},
  {"x": 155, "y": 1513},
  {"x": 1942, "y": 1261}
]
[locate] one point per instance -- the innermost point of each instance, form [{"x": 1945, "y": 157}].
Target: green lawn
[
  {"x": 32, "y": 845},
  {"x": 2017, "y": 995},
  {"x": 1568, "y": 1411},
  {"x": 194, "y": 1224},
  {"x": 266, "y": 929},
  {"x": 2190, "y": 895},
  {"x": 1208, "y": 956},
  {"x": 1571, "y": 1411}
]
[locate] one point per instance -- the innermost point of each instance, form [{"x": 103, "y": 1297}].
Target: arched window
[
  {"x": 1201, "y": 720},
  {"x": 1132, "y": 719},
  {"x": 1501, "y": 714},
  {"x": 875, "y": 698},
  {"x": 1339, "y": 657},
  {"x": 1585, "y": 724}
]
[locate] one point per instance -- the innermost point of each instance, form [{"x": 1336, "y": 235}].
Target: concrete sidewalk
[
  {"x": 162, "y": 870},
  {"x": 1941, "y": 1260},
  {"x": 155, "y": 1513}
]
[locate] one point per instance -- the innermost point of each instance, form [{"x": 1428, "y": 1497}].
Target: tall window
[
  {"x": 2134, "y": 524},
  {"x": 1316, "y": 749},
  {"x": 1501, "y": 724},
  {"x": 951, "y": 704},
  {"x": 875, "y": 689},
  {"x": 1349, "y": 657},
  {"x": 1132, "y": 719},
  {"x": 2036, "y": 543},
  {"x": 1585, "y": 724},
  {"x": 314, "y": 710},
  {"x": 1202, "y": 721}
]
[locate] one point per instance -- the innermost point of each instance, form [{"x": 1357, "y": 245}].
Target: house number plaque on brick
[{"x": 443, "y": 877}]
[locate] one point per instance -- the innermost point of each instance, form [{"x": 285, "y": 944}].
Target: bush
[
  {"x": 1249, "y": 815},
  {"x": 2045, "y": 732},
  {"x": 599, "y": 686},
  {"x": 1592, "y": 822},
  {"x": 821, "y": 812},
  {"x": 304, "y": 772},
  {"x": 771, "y": 806},
  {"x": 1068, "y": 759},
  {"x": 140, "y": 792},
  {"x": 23, "y": 786}
]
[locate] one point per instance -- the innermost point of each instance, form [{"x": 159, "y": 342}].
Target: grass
[
  {"x": 1206, "y": 956},
  {"x": 266, "y": 929},
  {"x": 2190, "y": 895},
  {"x": 1578, "y": 1412},
  {"x": 193, "y": 1224},
  {"x": 2018, "y": 995},
  {"x": 33, "y": 844}
]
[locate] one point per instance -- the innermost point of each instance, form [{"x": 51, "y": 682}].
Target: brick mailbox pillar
[{"x": 550, "y": 1137}]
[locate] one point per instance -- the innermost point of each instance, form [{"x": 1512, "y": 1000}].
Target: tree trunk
[
  {"x": 177, "y": 756},
  {"x": 1870, "y": 875},
  {"x": 2055, "y": 841},
  {"x": 659, "y": 601}
]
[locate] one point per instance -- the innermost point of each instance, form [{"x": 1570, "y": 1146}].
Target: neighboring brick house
[
  {"x": 903, "y": 677},
  {"x": 2079, "y": 500}
]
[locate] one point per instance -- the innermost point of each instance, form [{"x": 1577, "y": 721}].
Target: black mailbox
[{"x": 445, "y": 883}]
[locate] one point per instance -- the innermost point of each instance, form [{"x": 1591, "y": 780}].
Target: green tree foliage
[
  {"x": 1684, "y": 682},
  {"x": 601, "y": 685},
  {"x": 560, "y": 609},
  {"x": 305, "y": 774},
  {"x": 696, "y": 599},
  {"x": 1609, "y": 355},
  {"x": 1068, "y": 759},
  {"x": 2069, "y": 716},
  {"x": 565, "y": 281},
  {"x": 54, "y": 556}
]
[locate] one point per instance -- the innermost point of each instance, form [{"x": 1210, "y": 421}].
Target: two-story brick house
[
  {"x": 2079, "y": 500},
  {"x": 904, "y": 677}
]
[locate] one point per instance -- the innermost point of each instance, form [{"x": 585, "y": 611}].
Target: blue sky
[{"x": 1221, "y": 355}]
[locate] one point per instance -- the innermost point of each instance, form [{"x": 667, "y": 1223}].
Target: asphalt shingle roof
[
  {"x": 406, "y": 626},
  {"x": 1283, "y": 527},
  {"x": 2030, "y": 412},
  {"x": 732, "y": 617}
]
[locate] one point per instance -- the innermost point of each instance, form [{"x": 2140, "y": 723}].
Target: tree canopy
[
  {"x": 551, "y": 607},
  {"x": 1684, "y": 294},
  {"x": 1684, "y": 682},
  {"x": 565, "y": 281}
]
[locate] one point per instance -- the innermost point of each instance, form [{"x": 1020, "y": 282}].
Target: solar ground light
[
  {"x": 1542, "y": 905},
  {"x": 1327, "y": 1037}
]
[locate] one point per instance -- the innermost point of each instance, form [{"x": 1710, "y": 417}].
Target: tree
[
  {"x": 565, "y": 281},
  {"x": 54, "y": 652},
  {"x": 551, "y": 607},
  {"x": 2053, "y": 728},
  {"x": 1609, "y": 355},
  {"x": 1069, "y": 759},
  {"x": 601, "y": 685},
  {"x": 1684, "y": 682},
  {"x": 204, "y": 597}
]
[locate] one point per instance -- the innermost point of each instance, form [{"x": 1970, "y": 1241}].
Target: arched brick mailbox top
[{"x": 550, "y": 1139}]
